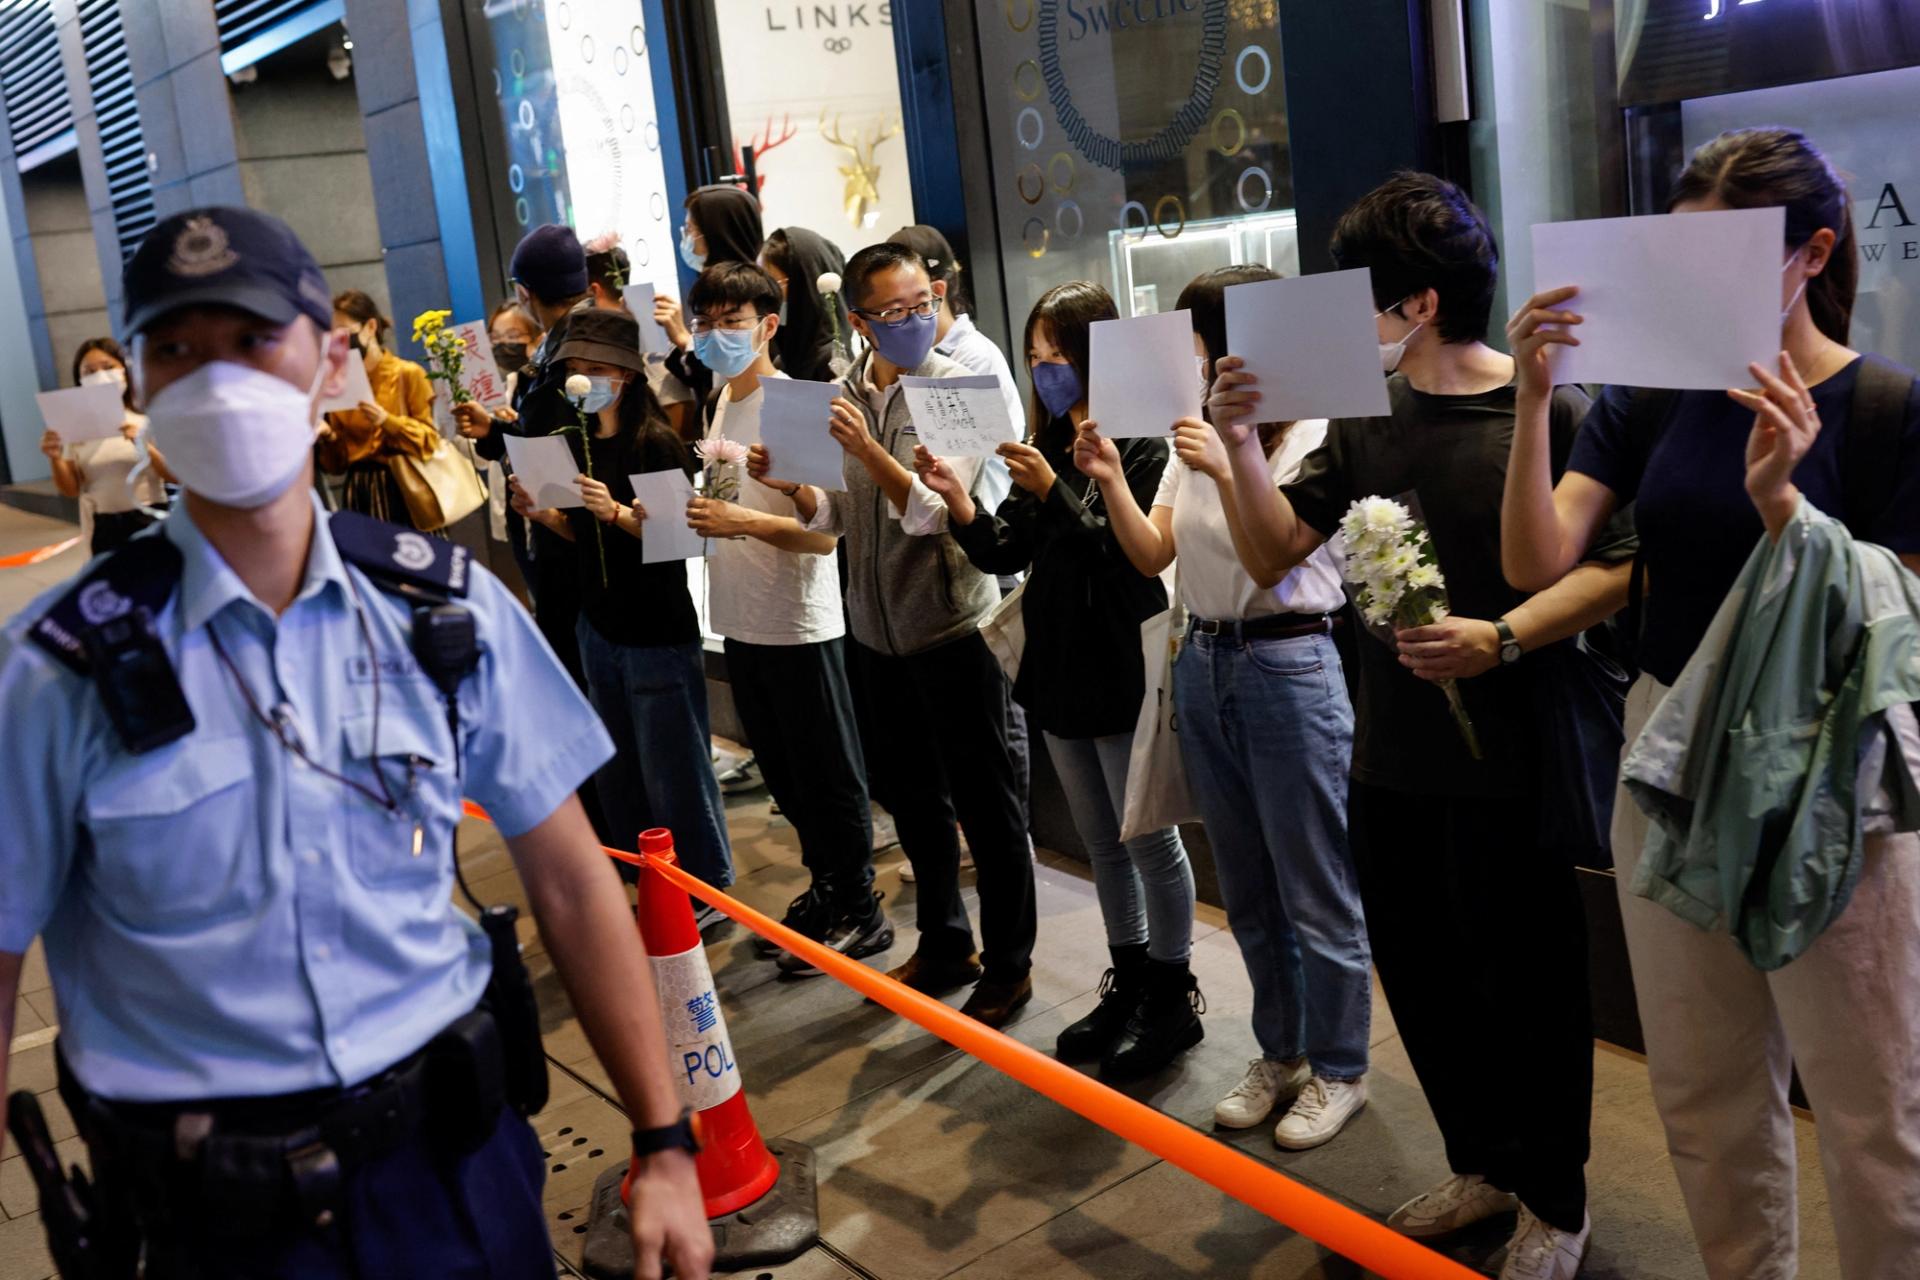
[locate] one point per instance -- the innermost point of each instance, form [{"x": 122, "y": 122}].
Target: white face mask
[
  {"x": 102, "y": 377},
  {"x": 1391, "y": 353},
  {"x": 233, "y": 434}
]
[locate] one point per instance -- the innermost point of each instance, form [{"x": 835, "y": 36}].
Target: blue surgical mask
[
  {"x": 1059, "y": 387},
  {"x": 605, "y": 392},
  {"x": 905, "y": 344},
  {"x": 695, "y": 261},
  {"x": 727, "y": 352}
]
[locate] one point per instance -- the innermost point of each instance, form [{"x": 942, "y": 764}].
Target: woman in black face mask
[
  {"x": 513, "y": 334},
  {"x": 366, "y": 442}
]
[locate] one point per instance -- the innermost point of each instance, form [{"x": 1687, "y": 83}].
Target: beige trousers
[{"x": 1722, "y": 1038}]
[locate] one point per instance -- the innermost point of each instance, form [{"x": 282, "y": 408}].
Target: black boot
[
  {"x": 1166, "y": 1024},
  {"x": 1120, "y": 990}
]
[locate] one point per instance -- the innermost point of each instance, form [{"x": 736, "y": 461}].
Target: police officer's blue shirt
[{"x": 221, "y": 919}]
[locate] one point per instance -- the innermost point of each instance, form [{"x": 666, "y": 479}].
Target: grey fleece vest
[{"x": 905, "y": 594}]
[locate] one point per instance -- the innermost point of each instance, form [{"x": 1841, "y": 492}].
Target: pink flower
[{"x": 719, "y": 449}]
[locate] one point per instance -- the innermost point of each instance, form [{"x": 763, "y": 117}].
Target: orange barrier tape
[
  {"x": 1259, "y": 1186},
  {"x": 35, "y": 557}
]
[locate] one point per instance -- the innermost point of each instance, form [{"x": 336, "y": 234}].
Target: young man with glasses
[
  {"x": 938, "y": 702},
  {"x": 774, "y": 597}
]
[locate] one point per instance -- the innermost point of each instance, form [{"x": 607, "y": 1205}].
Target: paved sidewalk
[{"x": 932, "y": 1165}]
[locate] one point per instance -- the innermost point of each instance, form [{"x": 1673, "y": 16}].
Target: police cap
[{"x": 228, "y": 257}]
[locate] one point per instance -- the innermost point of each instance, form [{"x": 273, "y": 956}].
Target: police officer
[{"x": 231, "y": 784}]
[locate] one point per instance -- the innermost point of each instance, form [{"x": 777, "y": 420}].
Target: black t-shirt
[
  {"x": 1451, "y": 453},
  {"x": 1688, "y": 483},
  {"x": 639, "y": 604}
]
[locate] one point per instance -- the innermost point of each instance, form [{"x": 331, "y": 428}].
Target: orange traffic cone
[{"x": 737, "y": 1170}]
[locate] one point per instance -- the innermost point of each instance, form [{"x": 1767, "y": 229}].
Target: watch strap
[
  {"x": 679, "y": 1135},
  {"x": 1509, "y": 645}
]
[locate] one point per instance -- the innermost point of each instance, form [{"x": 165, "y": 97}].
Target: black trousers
[
  {"x": 1481, "y": 942},
  {"x": 797, "y": 708},
  {"x": 111, "y": 531},
  {"x": 939, "y": 751}
]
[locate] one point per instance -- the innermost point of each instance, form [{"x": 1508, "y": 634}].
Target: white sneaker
[
  {"x": 1457, "y": 1203},
  {"x": 1259, "y": 1091},
  {"x": 1319, "y": 1113},
  {"x": 1541, "y": 1251}
]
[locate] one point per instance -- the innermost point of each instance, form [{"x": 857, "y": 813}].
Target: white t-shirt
[
  {"x": 759, "y": 594},
  {"x": 104, "y": 468},
  {"x": 1213, "y": 583}
]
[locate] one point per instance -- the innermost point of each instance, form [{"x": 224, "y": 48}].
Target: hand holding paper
[
  {"x": 91, "y": 412},
  {"x": 1683, "y": 300},
  {"x": 664, "y": 534},
  {"x": 959, "y": 417},
  {"x": 1141, "y": 375},
  {"x": 546, "y": 470},
  {"x": 357, "y": 388},
  {"x": 794, "y": 431},
  {"x": 1311, "y": 344},
  {"x": 653, "y": 339}
]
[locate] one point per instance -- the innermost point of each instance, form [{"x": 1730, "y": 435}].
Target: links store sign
[{"x": 1866, "y": 126}]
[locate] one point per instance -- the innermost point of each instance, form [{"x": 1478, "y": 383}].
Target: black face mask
[
  {"x": 359, "y": 343},
  {"x": 510, "y": 356}
]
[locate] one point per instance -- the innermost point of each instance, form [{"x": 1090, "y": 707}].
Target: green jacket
[{"x": 1758, "y": 766}]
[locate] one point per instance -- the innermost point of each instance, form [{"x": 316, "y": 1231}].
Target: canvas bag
[
  {"x": 1005, "y": 631},
  {"x": 1157, "y": 796},
  {"x": 440, "y": 489}
]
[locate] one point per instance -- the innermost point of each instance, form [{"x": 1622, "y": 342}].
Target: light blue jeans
[
  {"x": 653, "y": 700},
  {"x": 1145, "y": 885},
  {"x": 1266, "y": 731}
]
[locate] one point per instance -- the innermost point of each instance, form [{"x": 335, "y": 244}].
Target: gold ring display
[
  {"x": 1160, "y": 217},
  {"x": 1026, "y": 238},
  {"x": 1060, "y": 184},
  {"x": 1019, "y": 87},
  {"x": 1039, "y": 184},
  {"x": 1240, "y": 136},
  {"x": 1022, "y": 25}
]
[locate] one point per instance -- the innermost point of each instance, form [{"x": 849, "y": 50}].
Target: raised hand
[
  {"x": 666, "y": 314},
  {"x": 1785, "y": 425},
  {"x": 1028, "y": 468},
  {"x": 1200, "y": 447},
  {"x": 51, "y": 444},
  {"x": 936, "y": 474},
  {"x": 848, "y": 426},
  {"x": 1095, "y": 455},
  {"x": 1536, "y": 328},
  {"x": 1235, "y": 402}
]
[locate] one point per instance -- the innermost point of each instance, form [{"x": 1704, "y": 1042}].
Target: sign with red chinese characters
[{"x": 479, "y": 375}]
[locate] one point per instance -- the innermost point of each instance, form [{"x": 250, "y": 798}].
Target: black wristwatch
[
  {"x": 668, "y": 1137},
  {"x": 1509, "y": 647}
]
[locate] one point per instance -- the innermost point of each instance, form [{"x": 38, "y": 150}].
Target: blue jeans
[
  {"x": 1266, "y": 732},
  {"x": 653, "y": 700},
  {"x": 1145, "y": 885}
]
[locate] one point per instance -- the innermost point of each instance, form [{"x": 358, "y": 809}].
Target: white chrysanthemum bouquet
[{"x": 1397, "y": 581}]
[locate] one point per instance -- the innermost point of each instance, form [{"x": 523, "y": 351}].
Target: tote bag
[
  {"x": 1005, "y": 631},
  {"x": 440, "y": 489},
  {"x": 1157, "y": 794}
]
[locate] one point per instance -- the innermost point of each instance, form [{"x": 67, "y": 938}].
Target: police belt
[{"x": 268, "y": 1166}]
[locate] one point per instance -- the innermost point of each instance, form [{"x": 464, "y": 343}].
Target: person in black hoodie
[
  {"x": 1082, "y": 680},
  {"x": 722, "y": 224},
  {"x": 813, "y": 327},
  {"x": 638, "y": 635}
]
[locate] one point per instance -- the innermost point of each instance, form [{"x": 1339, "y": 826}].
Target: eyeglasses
[
  {"x": 893, "y": 316},
  {"x": 736, "y": 324}
]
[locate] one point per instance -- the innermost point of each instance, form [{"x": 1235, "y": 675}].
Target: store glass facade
[
  {"x": 570, "y": 125},
  {"x": 1136, "y": 143},
  {"x": 813, "y": 95}
]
